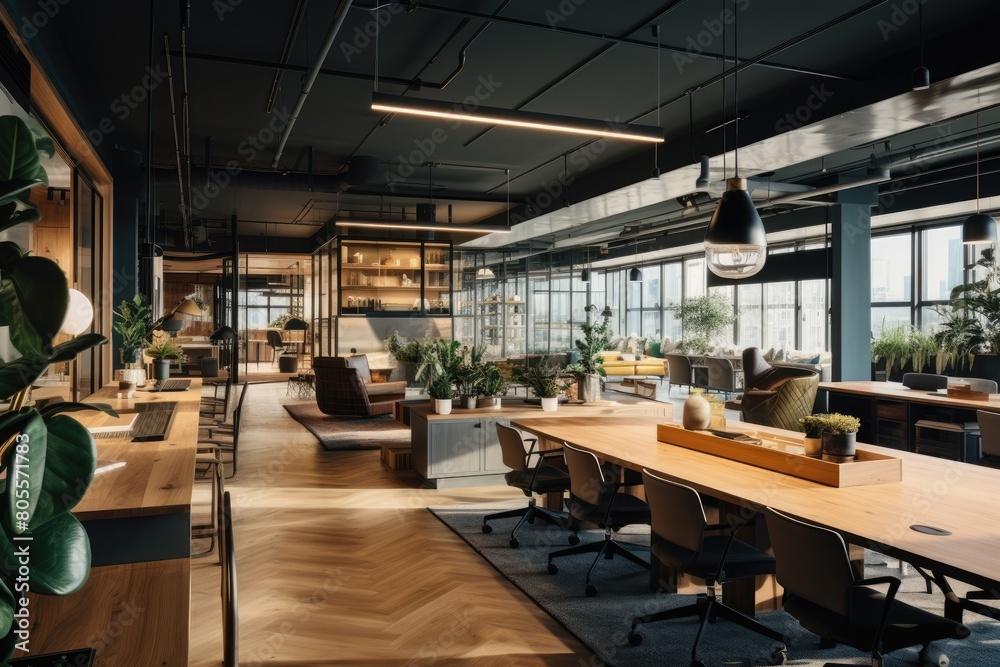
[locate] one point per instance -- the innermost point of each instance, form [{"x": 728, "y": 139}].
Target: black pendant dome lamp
[{"x": 979, "y": 227}]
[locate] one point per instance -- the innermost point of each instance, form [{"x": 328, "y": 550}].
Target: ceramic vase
[
  {"x": 469, "y": 402},
  {"x": 442, "y": 406},
  {"x": 590, "y": 388},
  {"x": 839, "y": 447},
  {"x": 813, "y": 446},
  {"x": 697, "y": 413},
  {"x": 550, "y": 404}
]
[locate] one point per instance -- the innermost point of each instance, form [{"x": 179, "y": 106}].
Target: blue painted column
[{"x": 850, "y": 284}]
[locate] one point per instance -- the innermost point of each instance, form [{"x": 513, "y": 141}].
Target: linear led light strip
[
  {"x": 474, "y": 229},
  {"x": 516, "y": 118}
]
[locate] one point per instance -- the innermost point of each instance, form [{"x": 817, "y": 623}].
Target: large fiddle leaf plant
[{"x": 48, "y": 456}]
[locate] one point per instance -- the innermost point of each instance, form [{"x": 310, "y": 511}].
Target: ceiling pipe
[
  {"x": 293, "y": 33},
  {"x": 611, "y": 38},
  {"x": 307, "y": 85}
]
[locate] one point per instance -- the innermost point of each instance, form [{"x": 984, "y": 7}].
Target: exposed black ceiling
[{"x": 543, "y": 56}]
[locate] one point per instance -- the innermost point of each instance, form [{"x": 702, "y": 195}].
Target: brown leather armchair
[
  {"x": 775, "y": 396},
  {"x": 344, "y": 388}
]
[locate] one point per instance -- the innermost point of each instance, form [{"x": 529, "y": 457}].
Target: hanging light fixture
[
  {"x": 979, "y": 227},
  {"x": 736, "y": 241},
  {"x": 585, "y": 274},
  {"x": 485, "y": 274},
  {"x": 515, "y": 118},
  {"x": 635, "y": 275}
]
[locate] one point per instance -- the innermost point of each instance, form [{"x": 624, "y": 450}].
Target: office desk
[
  {"x": 462, "y": 448},
  {"x": 889, "y": 411},
  {"x": 957, "y": 497},
  {"x": 136, "y": 606}
]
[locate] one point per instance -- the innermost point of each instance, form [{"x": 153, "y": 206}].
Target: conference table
[
  {"x": 135, "y": 607},
  {"x": 956, "y": 497}
]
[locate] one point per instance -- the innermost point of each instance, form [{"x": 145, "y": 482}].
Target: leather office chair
[
  {"x": 594, "y": 497},
  {"x": 823, "y": 595},
  {"x": 679, "y": 519},
  {"x": 340, "y": 390},
  {"x": 276, "y": 344},
  {"x": 678, "y": 371},
  {"x": 775, "y": 396},
  {"x": 989, "y": 438},
  {"x": 541, "y": 478}
]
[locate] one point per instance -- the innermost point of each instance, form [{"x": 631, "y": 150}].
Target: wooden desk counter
[
  {"x": 158, "y": 477},
  {"x": 955, "y": 496},
  {"x": 462, "y": 448},
  {"x": 895, "y": 390},
  {"x": 132, "y": 614}
]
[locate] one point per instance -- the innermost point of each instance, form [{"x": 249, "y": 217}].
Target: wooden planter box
[{"x": 784, "y": 454}]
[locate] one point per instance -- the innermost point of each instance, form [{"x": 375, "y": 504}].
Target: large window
[
  {"x": 779, "y": 315},
  {"x": 750, "y": 320},
  {"x": 673, "y": 291},
  {"x": 891, "y": 280}
]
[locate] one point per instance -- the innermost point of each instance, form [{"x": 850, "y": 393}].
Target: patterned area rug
[
  {"x": 336, "y": 433},
  {"x": 603, "y": 622}
]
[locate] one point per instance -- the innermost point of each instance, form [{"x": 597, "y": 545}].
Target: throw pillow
[
  {"x": 626, "y": 356},
  {"x": 779, "y": 355},
  {"x": 814, "y": 360},
  {"x": 769, "y": 355},
  {"x": 654, "y": 349}
]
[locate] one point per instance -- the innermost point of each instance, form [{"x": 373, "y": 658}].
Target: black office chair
[
  {"x": 594, "y": 497},
  {"x": 823, "y": 595},
  {"x": 230, "y": 600},
  {"x": 541, "y": 478},
  {"x": 277, "y": 345},
  {"x": 989, "y": 438},
  {"x": 679, "y": 519}
]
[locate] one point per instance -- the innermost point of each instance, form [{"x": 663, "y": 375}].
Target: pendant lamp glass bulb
[
  {"x": 736, "y": 241},
  {"x": 79, "y": 314}
]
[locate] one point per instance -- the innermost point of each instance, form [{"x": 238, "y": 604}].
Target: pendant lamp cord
[
  {"x": 736, "y": 85},
  {"x": 724, "y": 65},
  {"x": 378, "y": 29},
  {"x": 977, "y": 162},
  {"x": 656, "y": 150}
]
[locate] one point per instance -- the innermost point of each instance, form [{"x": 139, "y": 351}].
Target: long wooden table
[
  {"x": 957, "y": 497},
  {"x": 889, "y": 413},
  {"x": 135, "y": 607}
]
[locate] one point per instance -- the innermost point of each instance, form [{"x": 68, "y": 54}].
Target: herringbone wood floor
[{"x": 340, "y": 563}]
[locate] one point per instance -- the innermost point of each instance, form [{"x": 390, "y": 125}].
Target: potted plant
[
  {"x": 134, "y": 324},
  {"x": 543, "y": 380},
  {"x": 162, "y": 353},
  {"x": 839, "y": 436},
  {"x": 442, "y": 392},
  {"x": 704, "y": 319},
  {"x": 49, "y": 457},
  {"x": 590, "y": 368},
  {"x": 492, "y": 386},
  {"x": 812, "y": 425},
  {"x": 970, "y": 335},
  {"x": 467, "y": 383},
  {"x": 408, "y": 353},
  {"x": 903, "y": 347}
]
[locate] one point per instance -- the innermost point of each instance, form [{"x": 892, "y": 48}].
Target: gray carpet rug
[
  {"x": 339, "y": 433},
  {"x": 603, "y": 622}
]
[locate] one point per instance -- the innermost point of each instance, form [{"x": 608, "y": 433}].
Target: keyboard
[
  {"x": 171, "y": 385},
  {"x": 153, "y": 421}
]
